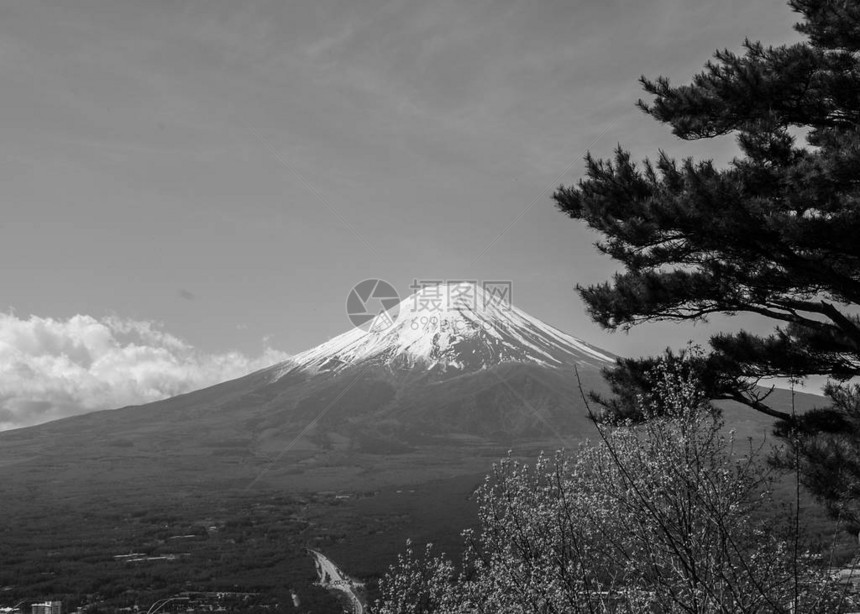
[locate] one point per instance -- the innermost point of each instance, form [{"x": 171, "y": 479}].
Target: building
[{"x": 48, "y": 607}]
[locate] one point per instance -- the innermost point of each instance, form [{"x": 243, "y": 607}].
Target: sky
[{"x": 190, "y": 188}]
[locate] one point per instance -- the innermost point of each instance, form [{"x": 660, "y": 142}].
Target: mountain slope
[
  {"x": 431, "y": 392},
  {"x": 465, "y": 381}
]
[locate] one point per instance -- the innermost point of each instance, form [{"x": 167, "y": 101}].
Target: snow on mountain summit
[{"x": 446, "y": 327}]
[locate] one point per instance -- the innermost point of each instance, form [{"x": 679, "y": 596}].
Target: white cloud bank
[{"x": 52, "y": 368}]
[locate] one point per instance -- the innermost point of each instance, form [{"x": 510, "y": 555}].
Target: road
[{"x": 333, "y": 578}]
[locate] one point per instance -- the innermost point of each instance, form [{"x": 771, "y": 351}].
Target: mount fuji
[{"x": 450, "y": 375}]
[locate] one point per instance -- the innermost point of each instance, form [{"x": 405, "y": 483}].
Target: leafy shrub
[{"x": 660, "y": 517}]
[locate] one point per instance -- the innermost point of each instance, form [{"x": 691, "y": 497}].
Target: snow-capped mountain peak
[{"x": 446, "y": 327}]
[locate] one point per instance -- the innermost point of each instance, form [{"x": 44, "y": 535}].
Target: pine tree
[{"x": 776, "y": 232}]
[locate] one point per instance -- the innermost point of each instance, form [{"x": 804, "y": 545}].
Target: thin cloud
[{"x": 53, "y": 368}]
